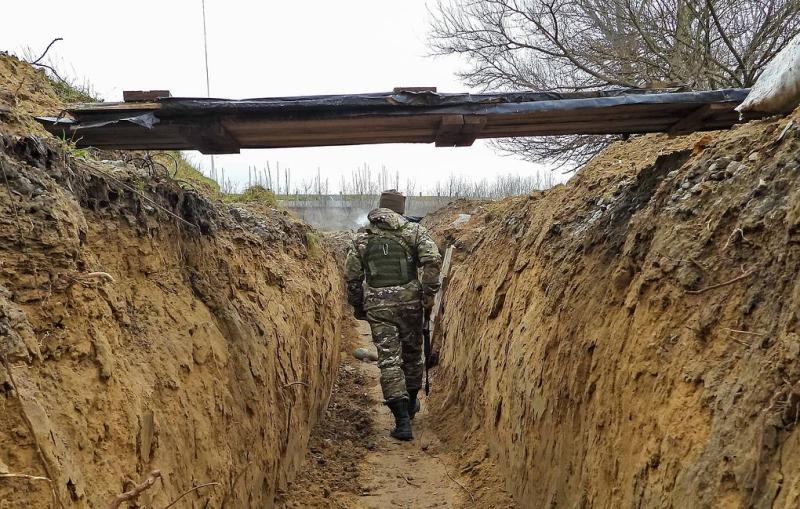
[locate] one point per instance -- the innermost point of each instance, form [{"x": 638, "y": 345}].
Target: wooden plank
[
  {"x": 438, "y": 300},
  {"x": 187, "y": 135},
  {"x": 239, "y": 127},
  {"x": 591, "y": 116},
  {"x": 337, "y": 143},
  {"x": 144, "y": 95},
  {"x": 642, "y": 110},
  {"x": 333, "y": 136},
  {"x": 170, "y": 135},
  {"x": 449, "y": 129},
  {"x": 212, "y": 138},
  {"x": 610, "y": 127},
  {"x": 225, "y": 129},
  {"x": 138, "y": 145},
  {"x": 450, "y": 124},
  {"x": 88, "y": 109},
  {"x": 473, "y": 125},
  {"x": 465, "y": 135},
  {"x": 691, "y": 121},
  {"x": 399, "y": 90}
]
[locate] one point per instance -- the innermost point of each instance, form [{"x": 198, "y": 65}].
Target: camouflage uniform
[{"x": 394, "y": 313}]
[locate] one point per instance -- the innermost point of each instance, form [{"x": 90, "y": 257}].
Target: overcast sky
[{"x": 261, "y": 49}]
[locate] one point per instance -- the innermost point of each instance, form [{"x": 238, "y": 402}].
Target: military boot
[
  {"x": 413, "y": 404},
  {"x": 402, "y": 424}
]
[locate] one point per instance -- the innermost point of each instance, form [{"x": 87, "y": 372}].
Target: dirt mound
[
  {"x": 25, "y": 92},
  {"x": 330, "y": 475},
  {"x": 145, "y": 328},
  {"x": 630, "y": 339},
  {"x": 338, "y": 243},
  {"x": 446, "y": 223}
]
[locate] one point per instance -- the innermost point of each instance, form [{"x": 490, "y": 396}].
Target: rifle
[{"x": 426, "y": 346}]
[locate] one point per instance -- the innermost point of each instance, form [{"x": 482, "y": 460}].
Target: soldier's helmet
[{"x": 393, "y": 200}]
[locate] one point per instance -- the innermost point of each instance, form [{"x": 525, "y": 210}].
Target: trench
[
  {"x": 629, "y": 339},
  {"x": 353, "y": 463},
  {"x": 204, "y": 368}
]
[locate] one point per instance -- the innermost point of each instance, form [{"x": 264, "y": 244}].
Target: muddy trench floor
[{"x": 353, "y": 463}]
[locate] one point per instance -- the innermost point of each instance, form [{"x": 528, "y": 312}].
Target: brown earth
[
  {"x": 445, "y": 225},
  {"x": 353, "y": 463},
  {"x": 630, "y": 339},
  {"x": 25, "y": 92},
  {"x": 145, "y": 327}
]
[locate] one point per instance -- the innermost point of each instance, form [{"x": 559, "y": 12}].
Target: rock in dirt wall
[
  {"x": 137, "y": 342},
  {"x": 630, "y": 339}
]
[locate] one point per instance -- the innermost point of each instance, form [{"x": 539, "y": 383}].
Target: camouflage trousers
[{"x": 397, "y": 334}]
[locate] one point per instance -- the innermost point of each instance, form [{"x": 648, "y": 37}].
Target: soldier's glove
[{"x": 359, "y": 313}]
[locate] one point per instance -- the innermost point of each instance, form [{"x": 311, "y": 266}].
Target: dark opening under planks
[{"x": 406, "y": 115}]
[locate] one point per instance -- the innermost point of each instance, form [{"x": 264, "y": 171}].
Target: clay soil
[
  {"x": 353, "y": 463},
  {"x": 630, "y": 339},
  {"x": 144, "y": 326}
]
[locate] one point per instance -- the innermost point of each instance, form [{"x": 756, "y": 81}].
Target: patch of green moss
[
  {"x": 253, "y": 194},
  {"x": 184, "y": 171},
  {"x": 72, "y": 92},
  {"x": 313, "y": 242}
]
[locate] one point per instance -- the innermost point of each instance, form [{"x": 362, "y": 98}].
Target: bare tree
[{"x": 573, "y": 45}]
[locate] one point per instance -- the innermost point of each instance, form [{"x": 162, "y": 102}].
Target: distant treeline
[
  {"x": 368, "y": 182},
  {"x": 349, "y": 211}
]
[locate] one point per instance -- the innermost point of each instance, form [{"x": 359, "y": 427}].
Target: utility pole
[{"x": 208, "y": 82}]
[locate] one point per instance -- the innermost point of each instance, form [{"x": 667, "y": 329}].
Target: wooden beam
[
  {"x": 144, "y": 95},
  {"x": 453, "y": 135},
  {"x": 610, "y": 127},
  {"x": 219, "y": 126},
  {"x": 211, "y": 137},
  {"x": 248, "y": 127},
  {"x": 473, "y": 125},
  {"x": 448, "y": 130},
  {"x": 399, "y": 90},
  {"x": 438, "y": 300},
  {"x": 695, "y": 118},
  {"x": 336, "y": 143},
  {"x": 91, "y": 111}
]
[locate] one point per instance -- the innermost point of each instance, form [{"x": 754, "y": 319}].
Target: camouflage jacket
[{"x": 426, "y": 254}]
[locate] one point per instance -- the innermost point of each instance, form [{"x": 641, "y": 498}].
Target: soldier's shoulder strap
[
  {"x": 397, "y": 236},
  {"x": 415, "y": 242}
]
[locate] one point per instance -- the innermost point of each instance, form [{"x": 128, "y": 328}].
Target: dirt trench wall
[
  {"x": 630, "y": 339},
  {"x": 137, "y": 342}
]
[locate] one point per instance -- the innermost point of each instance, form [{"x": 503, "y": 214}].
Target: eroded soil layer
[
  {"x": 147, "y": 328},
  {"x": 630, "y": 339}
]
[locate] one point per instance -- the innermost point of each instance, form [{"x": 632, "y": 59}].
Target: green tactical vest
[{"x": 388, "y": 261}]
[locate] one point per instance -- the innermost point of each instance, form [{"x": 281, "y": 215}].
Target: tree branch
[
  {"x": 46, "y": 50},
  {"x": 136, "y": 490}
]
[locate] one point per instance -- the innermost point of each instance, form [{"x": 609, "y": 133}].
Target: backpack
[{"x": 388, "y": 261}]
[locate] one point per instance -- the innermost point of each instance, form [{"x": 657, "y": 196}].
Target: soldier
[{"x": 388, "y": 252}]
